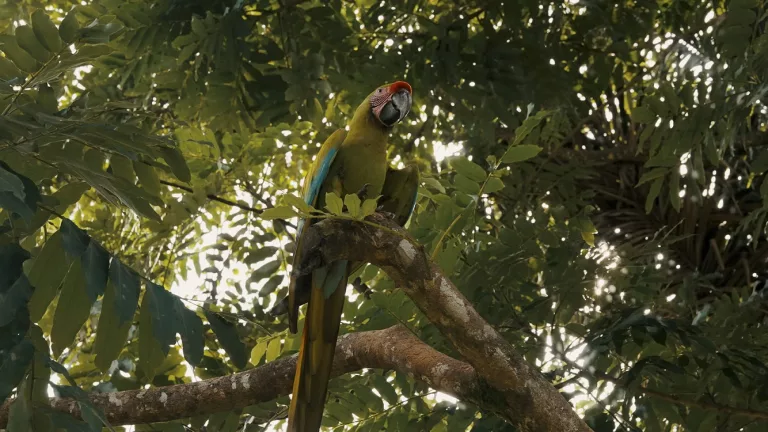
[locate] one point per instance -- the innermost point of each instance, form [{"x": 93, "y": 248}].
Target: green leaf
[
  {"x": 369, "y": 207},
  {"x": 653, "y": 193},
  {"x": 281, "y": 212},
  {"x": 265, "y": 271},
  {"x": 271, "y": 285},
  {"x": 260, "y": 254},
  {"x": 18, "y": 56},
  {"x": 178, "y": 164},
  {"x": 27, "y": 207},
  {"x": 467, "y": 168},
  {"x": 13, "y": 299},
  {"x": 738, "y": 17},
  {"x": 386, "y": 389},
  {"x": 653, "y": 175},
  {"x": 69, "y": 27},
  {"x": 434, "y": 184},
  {"x": 333, "y": 203},
  {"x": 46, "y": 98},
  {"x": 46, "y": 31},
  {"x": 529, "y": 124},
  {"x": 121, "y": 167},
  {"x": 258, "y": 352},
  {"x": 273, "y": 349},
  {"x": 494, "y": 184},
  {"x": 65, "y": 421},
  {"x": 46, "y": 274},
  {"x": 226, "y": 333},
  {"x": 161, "y": 307},
  {"x": 92, "y": 416},
  {"x": 760, "y": 163},
  {"x": 147, "y": 177},
  {"x": 520, "y": 153},
  {"x": 9, "y": 182},
  {"x": 466, "y": 185},
  {"x": 126, "y": 283},
  {"x": 13, "y": 366},
  {"x": 643, "y": 114},
  {"x": 69, "y": 194},
  {"x": 72, "y": 310},
  {"x": 151, "y": 354},
  {"x": 96, "y": 266},
  {"x": 352, "y": 201},
  {"x": 293, "y": 200},
  {"x": 74, "y": 239},
  {"x": 190, "y": 327},
  {"x": 9, "y": 71},
  {"x": 27, "y": 40},
  {"x": 674, "y": 190},
  {"x": 111, "y": 335},
  {"x": 20, "y": 411}
]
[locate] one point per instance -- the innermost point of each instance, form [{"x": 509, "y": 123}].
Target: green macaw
[
  {"x": 398, "y": 198},
  {"x": 348, "y": 162}
]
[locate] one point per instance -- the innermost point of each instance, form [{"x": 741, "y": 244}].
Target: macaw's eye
[{"x": 380, "y": 90}]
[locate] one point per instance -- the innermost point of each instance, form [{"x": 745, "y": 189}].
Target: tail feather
[{"x": 318, "y": 343}]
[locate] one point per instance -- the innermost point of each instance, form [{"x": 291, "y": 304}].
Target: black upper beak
[
  {"x": 402, "y": 101},
  {"x": 396, "y": 108}
]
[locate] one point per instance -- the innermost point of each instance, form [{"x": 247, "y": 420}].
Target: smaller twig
[{"x": 224, "y": 201}]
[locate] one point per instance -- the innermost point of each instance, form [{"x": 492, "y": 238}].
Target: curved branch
[
  {"x": 529, "y": 400},
  {"x": 394, "y": 348}
]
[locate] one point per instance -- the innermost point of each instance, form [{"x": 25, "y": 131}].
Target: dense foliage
[{"x": 604, "y": 208}]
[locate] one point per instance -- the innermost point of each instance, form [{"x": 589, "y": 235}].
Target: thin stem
[{"x": 30, "y": 80}]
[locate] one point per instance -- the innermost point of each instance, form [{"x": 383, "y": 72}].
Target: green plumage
[{"x": 347, "y": 162}]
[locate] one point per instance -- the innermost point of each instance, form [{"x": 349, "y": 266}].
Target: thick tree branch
[
  {"x": 530, "y": 401},
  {"x": 394, "y": 348}
]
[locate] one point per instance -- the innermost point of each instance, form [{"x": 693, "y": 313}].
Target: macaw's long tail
[{"x": 318, "y": 343}]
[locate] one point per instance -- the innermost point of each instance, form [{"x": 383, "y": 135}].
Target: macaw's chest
[{"x": 353, "y": 170}]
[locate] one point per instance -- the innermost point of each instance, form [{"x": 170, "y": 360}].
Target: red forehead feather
[{"x": 397, "y": 85}]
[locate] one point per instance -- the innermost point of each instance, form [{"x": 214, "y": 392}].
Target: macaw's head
[{"x": 390, "y": 103}]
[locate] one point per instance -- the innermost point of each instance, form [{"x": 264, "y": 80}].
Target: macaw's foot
[
  {"x": 389, "y": 215},
  {"x": 362, "y": 288},
  {"x": 363, "y": 192},
  {"x": 280, "y": 308}
]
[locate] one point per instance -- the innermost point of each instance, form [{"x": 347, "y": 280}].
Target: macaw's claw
[
  {"x": 280, "y": 308},
  {"x": 307, "y": 265},
  {"x": 388, "y": 215},
  {"x": 363, "y": 192},
  {"x": 362, "y": 288}
]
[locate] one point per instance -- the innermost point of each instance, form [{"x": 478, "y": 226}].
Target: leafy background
[{"x": 593, "y": 180}]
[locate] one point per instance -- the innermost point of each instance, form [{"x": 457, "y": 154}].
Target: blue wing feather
[{"x": 320, "y": 175}]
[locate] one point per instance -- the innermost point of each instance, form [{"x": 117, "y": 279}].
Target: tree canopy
[{"x": 593, "y": 183}]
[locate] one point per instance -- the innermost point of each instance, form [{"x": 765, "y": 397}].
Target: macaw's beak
[{"x": 396, "y": 108}]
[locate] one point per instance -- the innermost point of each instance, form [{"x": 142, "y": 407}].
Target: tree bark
[
  {"x": 394, "y": 348},
  {"x": 495, "y": 377},
  {"x": 533, "y": 404}
]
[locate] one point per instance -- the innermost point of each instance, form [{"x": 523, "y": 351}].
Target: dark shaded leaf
[
  {"x": 226, "y": 333},
  {"x": 14, "y": 298},
  {"x": 46, "y": 31},
  {"x": 161, "y": 306},
  {"x": 74, "y": 239},
  {"x": 47, "y": 273},
  {"x": 13, "y": 366},
  {"x": 190, "y": 327},
  {"x": 126, "y": 282},
  {"x": 111, "y": 335},
  {"x": 96, "y": 268},
  {"x": 72, "y": 310}
]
